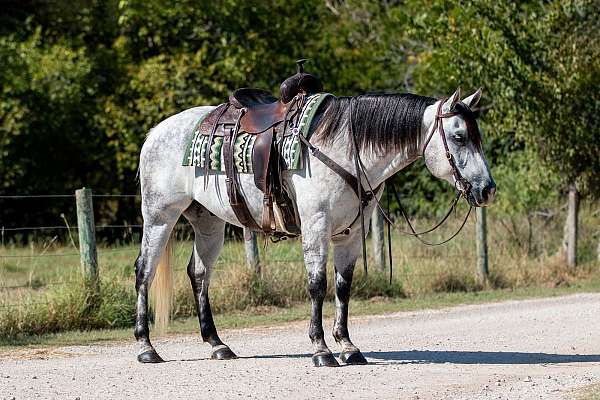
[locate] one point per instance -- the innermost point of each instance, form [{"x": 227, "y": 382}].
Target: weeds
[{"x": 44, "y": 304}]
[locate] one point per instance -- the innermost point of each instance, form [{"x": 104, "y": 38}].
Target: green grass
[
  {"x": 268, "y": 316},
  {"x": 44, "y": 295}
]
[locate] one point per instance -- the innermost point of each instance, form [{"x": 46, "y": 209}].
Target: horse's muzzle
[{"x": 482, "y": 196}]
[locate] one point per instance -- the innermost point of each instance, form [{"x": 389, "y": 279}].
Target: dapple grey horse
[{"x": 392, "y": 131}]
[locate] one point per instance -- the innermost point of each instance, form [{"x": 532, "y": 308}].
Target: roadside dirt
[{"x": 532, "y": 349}]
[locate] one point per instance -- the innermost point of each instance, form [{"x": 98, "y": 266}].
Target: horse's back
[{"x": 161, "y": 156}]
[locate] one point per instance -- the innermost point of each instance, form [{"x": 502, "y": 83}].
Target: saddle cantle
[
  {"x": 257, "y": 112},
  {"x": 248, "y": 97}
]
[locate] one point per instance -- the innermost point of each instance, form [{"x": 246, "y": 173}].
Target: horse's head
[{"x": 453, "y": 150}]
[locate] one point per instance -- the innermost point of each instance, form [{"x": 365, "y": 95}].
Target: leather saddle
[{"x": 258, "y": 112}]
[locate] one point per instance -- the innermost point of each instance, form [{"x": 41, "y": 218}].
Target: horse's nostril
[{"x": 488, "y": 193}]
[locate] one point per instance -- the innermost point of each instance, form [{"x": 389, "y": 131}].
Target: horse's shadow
[
  {"x": 478, "y": 357},
  {"x": 451, "y": 357},
  {"x": 459, "y": 357}
]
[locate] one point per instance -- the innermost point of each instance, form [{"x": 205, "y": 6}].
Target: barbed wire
[
  {"x": 62, "y": 227},
  {"x": 265, "y": 260},
  {"x": 51, "y": 196},
  {"x": 218, "y": 266},
  {"x": 36, "y": 196},
  {"x": 116, "y": 195},
  {"x": 101, "y": 252},
  {"x": 39, "y": 255}
]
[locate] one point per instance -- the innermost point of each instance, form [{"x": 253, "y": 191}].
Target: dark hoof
[
  {"x": 353, "y": 358},
  {"x": 150, "y": 357},
  {"x": 224, "y": 353},
  {"x": 325, "y": 360}
]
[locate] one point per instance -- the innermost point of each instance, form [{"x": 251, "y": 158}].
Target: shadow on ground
[
  {"x": 452, "y": 357},
  {"x": 479, "y": 357}
]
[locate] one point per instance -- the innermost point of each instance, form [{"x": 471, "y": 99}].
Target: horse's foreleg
[
  {"x": 345, "y": 255},
  {"x": 315, "y": 248},
  {"x": 208, "y": 241}
]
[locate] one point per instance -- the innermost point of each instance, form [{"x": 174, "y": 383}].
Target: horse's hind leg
[
  {"x": 158, "y": 224},
  {"x": 209, "y": 233},
  {"x": 344, "y": 258}
]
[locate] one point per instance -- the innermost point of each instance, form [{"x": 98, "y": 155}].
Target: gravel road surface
[{"x": 532, "y": 349}]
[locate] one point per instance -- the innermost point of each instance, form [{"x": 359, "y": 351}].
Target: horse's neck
[{"x": 380, "y": 168}]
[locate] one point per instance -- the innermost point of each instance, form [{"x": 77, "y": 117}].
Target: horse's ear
[
  {"x": 473, "y": 99},
  {"x": 452, "y": 100}
]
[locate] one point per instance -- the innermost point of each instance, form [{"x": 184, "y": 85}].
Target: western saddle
[{"x": 258, "y": 112}]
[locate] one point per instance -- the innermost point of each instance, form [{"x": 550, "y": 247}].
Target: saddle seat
[
  {"x": 249, "y": 97},
  {"x": 258, "y": 112},
  {"x": 262, "y": 110}
]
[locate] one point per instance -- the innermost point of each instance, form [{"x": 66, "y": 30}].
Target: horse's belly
[{"x": 216, "y": 200}]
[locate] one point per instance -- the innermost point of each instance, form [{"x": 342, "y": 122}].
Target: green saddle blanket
[{"x": 195, "y": 155}]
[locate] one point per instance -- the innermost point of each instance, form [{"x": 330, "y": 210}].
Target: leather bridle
[{"x": 462, "y": 185}]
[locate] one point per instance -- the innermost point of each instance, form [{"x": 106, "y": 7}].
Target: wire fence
[
  {"x": 40, "y": 285},
  {"x": 50, "y": 196},
  {"x": 60, "y": 227}
]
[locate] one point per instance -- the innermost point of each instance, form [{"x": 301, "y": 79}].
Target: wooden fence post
[
  {"x": 377, "y": 239},
  {"x": 482, "y": 247},
  {"x": 87, "y": 238},
  {"x": 251, "y": 246},
  {"x": 571, "y": 226}
]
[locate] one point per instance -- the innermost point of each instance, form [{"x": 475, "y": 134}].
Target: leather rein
[
  {"x": 461, "y": 185},
  {"x": 365, "y": 196}
]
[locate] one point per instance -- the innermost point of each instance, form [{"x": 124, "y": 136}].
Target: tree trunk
[{"x": 570, "y": 230}]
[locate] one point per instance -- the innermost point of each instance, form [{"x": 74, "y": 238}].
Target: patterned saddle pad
[{"x": 244, "y": 144}]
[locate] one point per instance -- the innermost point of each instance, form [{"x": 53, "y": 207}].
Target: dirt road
[{"x": 534, "y": 349}]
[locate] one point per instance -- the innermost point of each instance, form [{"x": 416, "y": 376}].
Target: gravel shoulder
[{"x": 528, "y": 349}]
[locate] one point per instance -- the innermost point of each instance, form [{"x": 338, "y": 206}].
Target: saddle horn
[{"x": 300, "y": 82}]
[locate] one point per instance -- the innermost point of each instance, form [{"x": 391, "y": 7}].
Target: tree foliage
[
  {"x": 83, "y": 81},
  {"x": 538, "y": 64}
]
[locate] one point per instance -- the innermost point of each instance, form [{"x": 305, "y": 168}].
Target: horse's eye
[{"x": 460, "y": 139}]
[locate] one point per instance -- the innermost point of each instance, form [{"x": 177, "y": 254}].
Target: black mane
[{"x": 381, "y": 122}]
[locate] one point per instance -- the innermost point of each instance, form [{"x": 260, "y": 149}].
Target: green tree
[{"x": 538, "y": 64}]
